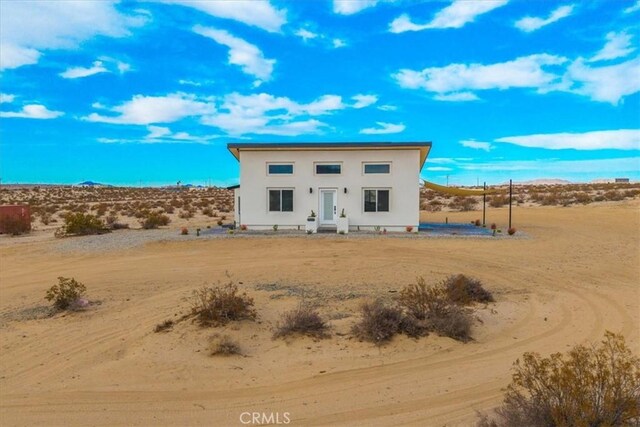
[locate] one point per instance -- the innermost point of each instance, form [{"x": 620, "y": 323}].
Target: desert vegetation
[
  {"x": 122, "y": 207},
  {"x": 591, "y": 385},
  {"x": 218, "y": 305},
  {"x": 67, "y": 294},
  {"x": 223, "y": 346},
  {"x": 421, "y": 309},
  {"x": 302, "y": 320}
]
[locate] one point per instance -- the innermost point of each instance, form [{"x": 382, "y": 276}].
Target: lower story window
[
  {"x": 280, "y": 200},
  {"x": 376, "y": 200}
]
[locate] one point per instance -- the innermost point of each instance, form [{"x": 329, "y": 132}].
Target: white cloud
[
  {"x": 387, "y": 107},
  {"x": 477, "y": 145},
  {"x": 241, "y": 53},
  {"x": 162, "y": 135},
  {"x": 257, "y": 13},
  {"x": 530, "y": 23},
  {"x": 633, "y": 8},
  {"x": 438, "y": 169},
  {"x": 338, "y": 43},
  {"x": 455, "y": 81},
  {"x": 263, "y": 114},
  {"x": 78, "y": 72},
  {"x": 305, "y": 34},
  {"x": 32, "y": 111},
  {"x": 384, "y": 128},
  {"x": 364, "y": 100},
  {"x": 6, "y": 97},
  {"x": 349, "y": 7},
  {"x": 143, "y": 110},
  {"x": 621, "y": 139},
  {"x": 606, "y": 84},
  {"x": 456, "y": 15},
  {"x": 56, "y": 25},
  {"x": 457, "y": 97},
  {"x": 618, "y": 46}
]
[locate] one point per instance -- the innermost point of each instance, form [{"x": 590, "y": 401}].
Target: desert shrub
[
  {"x": 588, "y": 386},
  {"x": 303, "y": 320},
  {"x": 14, "y": 225},
  {"x": 434, "y": 206},
  {"x": 82, "y": 224},
  {"x": 582, "y": 197},
  {"x": 164, "y": 326},
  {"x": 207, "y": 211},
  {"x": 429, "y": 309},
  {"x": 220, "y": 222},
  {"x": 223, "y": 346},
  {"x": 215, "y": 306},
  {"x": 66, "y": 293},
  {"x": 463, "y": 203},
  {"x": 498, "y": 201},
  {"x": 186, "y": 214},
  {"x": 464, "y": 290},
  {"x": 154, "y": 220},
  {"x": 380, "y": 322}
]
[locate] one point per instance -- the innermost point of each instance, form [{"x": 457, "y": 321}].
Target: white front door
[{"x": 328, "y": 207}]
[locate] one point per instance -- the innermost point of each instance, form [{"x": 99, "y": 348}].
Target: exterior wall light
[
  {"x": 345, "y": 190},
  {"x": 310, "y": 190}
]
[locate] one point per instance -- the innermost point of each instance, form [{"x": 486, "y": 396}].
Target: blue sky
[{"x": 151, "y": 92}]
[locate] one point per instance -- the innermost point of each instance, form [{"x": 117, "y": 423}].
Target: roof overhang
[{"x": 423, "y": 147}]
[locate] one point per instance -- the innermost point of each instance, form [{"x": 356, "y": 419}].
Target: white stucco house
[{"x": 339, "y": 186}]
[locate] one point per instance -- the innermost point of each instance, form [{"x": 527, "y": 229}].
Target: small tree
[{"x": 82, "y": 224}]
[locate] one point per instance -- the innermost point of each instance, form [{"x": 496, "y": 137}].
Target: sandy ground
[{"x": 577, "y": 275}]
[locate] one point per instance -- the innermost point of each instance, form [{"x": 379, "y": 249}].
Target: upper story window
[
  {"x": 376, "y": 200},
  {"x": 328, "y": 168},
  {"x": 280, "y": 169},
  {"x": 377, "y": 168}
]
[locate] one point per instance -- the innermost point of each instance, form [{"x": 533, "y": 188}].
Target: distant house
[
  {"x": 371, "y": 184},
  {"x": 622, "y": 180}
]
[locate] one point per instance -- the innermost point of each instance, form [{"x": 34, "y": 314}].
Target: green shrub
[
  {"x": 154, "y": 220},
  {"x": 66, "y": 293},
  {"x": 588, "y": 386},
  {"x": 81, "y": 224},
  {"x": 303, "y": 320},
  {"x": 216, "y": 306}
]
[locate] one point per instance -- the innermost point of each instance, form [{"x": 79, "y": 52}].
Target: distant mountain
[
  {"x": 544, "y": 182},
  {"x": 92, "y": 184}
]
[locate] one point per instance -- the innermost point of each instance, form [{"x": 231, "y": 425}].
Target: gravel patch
[{"x": 128, "y": 239}]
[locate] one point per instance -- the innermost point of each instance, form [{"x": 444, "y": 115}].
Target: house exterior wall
[{"x": 402, "y": 181}]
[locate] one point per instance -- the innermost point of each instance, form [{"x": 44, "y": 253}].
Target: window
[
  {"x": 280, "y": 200},
  {"x": 377, "y": 168},
  {"x": 376, "y": 200},
  {"x": 280, "y": 168},
  {"x": 328, "y": 169}
]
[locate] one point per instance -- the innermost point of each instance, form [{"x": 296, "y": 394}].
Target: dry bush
[
  {"x": 303, "y": 320},
  {"x": 81, "y": 224},
  {"x": 380, "y": 322},
  {"x": 223, "y": 346},
  {"x": 464, "y": 290},
  {"x": 216, "y": 306},
  {"x": 588, "y": 386},
  {"x": 164, "y": 326},
  {"x": 186, "y": 214},
  {"x": 434, "y": 206},
  {"x": 154, "y": 220},
  {"x": 66, "y": 293},
  {"x": 498, "y": 201},
  {"x": 463, "y": 204},
  {"x": 429, "y": 308}
]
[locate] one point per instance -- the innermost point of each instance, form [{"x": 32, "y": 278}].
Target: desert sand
[{"x": 573, "y": 274}]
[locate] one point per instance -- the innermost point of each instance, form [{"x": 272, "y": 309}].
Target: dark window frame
[
  {"x": 372, "y": 201},
  {"x": 387, "y": 164},
  {"x": 316, "y": 165},
  {"x": 280, "y": 164},
  {"x": 283, "y": 204}
]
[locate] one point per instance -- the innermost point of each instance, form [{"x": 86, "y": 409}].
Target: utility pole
[
  {"x": 484, "y": 203},
  {"x": 510, "y": 196},
  {"x": 447, "y": 180}
]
